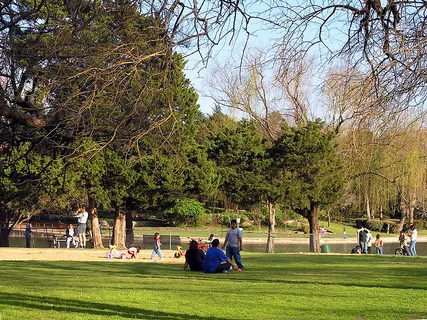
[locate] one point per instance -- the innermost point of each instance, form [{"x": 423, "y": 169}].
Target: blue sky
[
  {"x": 260, "y": 38},
  {"x": 225, "y": 51}
]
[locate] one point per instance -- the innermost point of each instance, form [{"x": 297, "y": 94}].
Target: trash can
[{"x": 324, "y": 248}]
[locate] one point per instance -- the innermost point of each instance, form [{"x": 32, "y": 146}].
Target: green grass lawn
[{"x": 279, "y": 286}]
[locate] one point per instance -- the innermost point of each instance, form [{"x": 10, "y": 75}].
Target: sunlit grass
[{"x": 279, "y": 286}]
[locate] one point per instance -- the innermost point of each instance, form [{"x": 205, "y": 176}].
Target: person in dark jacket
[{"x": 194, "y": 257}]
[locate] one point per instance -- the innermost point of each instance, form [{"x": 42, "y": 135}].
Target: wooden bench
[{"x": 55, "y": 240}]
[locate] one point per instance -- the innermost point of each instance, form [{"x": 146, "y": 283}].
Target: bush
[
  {"x": 225, "y": 219},
  {"x": 394, "y": 228},
  {"x": 375, "y": 225},
  {"x": 360, "y": 222},
  {"x": 186, "y": 211},
  {"x": 306, "y": 228},
  {"x": 419, "y": 224}
]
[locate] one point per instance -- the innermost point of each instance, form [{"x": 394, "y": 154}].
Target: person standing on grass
[
  {"x": 362, "y": 235},
  {"x": 233, "y": 242},
  {"x": 82, "y": 217},
  {"x": 369, "y": 242},
  {"x": 156, "y": 247},
  {"x": 414, "y": 235},
  {"x": 28, "y": 233},
  {"x": 379, "y": 244},
  {"x": 216, "y": 261}
]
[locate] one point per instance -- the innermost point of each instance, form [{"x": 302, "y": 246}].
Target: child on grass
[
  {"x": 133, "y": 251},
  {"x": 379, "y": 244},
  {"x": 157, "y": 245}
]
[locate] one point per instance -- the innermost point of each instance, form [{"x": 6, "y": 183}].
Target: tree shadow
[{"x": 85, "y": 307}]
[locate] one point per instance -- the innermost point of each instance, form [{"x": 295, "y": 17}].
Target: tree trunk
[
  {"x": 96, "y": 231},
  {"x": 313, "y": 220},
  {"x": 329, "y": 218},
  {"x": 403, "y": 213},
  {"x": 119, "y": 229},
  {"x": 4, "y": 227},
  {"x": 130, "y": 238},
  {"x": 368, "y": 208},
  {"x": 411, "y": 215},
  {"x": 401, "y": 222},
  {"x": 271, "y": 226},
  {"x": 411, "y": 210},
  {"x": 4, "y": 236}
]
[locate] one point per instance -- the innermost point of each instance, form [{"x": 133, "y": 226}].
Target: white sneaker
[{"x": 229, "y": 270}]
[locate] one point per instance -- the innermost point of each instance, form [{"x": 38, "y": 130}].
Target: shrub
[
  {"x": 186, "y": 211},
  {"x": 419, "y": 224},
  {"x": 360, "y": 222},
  {"x": 394, "y": 228},
  {"x": 225, "y": 218},
  {"x": 375, "y": 225}
]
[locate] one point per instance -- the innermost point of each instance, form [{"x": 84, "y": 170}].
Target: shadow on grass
[{"x": 89, "y": 308}]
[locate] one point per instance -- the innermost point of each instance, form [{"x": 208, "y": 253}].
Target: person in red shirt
[{"x": 133, "y": 251}]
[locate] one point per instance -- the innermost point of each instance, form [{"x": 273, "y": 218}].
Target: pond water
[{"x": 346, "y": 247}]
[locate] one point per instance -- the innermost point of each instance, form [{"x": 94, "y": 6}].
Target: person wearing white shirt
[
  {"x": 414, "y": 235},
  {"x": 82, "y": 216}
]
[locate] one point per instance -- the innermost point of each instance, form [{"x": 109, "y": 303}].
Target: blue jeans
[
  {"x": 28, "y": 241},
  {"x": 412, "y": 248},
  {"x": 380, "y": 250},
  {"x": 363, "y": 247},
  {"x": 158, "y": 252},
  {"x": 234, "y": 252}
]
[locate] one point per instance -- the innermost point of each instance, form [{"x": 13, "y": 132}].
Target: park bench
[{"x": 55, "y": 240}]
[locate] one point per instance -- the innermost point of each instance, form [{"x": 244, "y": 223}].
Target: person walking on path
[
  {"x": 233, "y": 242},
  {"x": 379, "y": 244},
  {"x": 82, "y": 217},
  {"x": 156, "y": 247},
  {"x": 414, "y": 235},
  {"x": 28, "y": 233},
  {"x": 216, "y": 261}
]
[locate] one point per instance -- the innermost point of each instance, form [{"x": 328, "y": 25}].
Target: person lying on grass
[{"x": 216, "y": 261}]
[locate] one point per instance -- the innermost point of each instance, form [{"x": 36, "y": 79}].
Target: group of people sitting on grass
[{"x": 215, "y": 260}]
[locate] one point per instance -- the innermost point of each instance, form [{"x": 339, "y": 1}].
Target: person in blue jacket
[{"x": 216, "y": 261}]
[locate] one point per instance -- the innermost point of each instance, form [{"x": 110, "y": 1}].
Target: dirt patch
[{"x": 50, "y": 254}]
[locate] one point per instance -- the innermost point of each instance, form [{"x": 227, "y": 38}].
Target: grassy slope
[{"x": 280, "y": 286}]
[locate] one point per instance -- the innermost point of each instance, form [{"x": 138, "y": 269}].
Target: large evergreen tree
[{"x": 306, "y": 158}]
